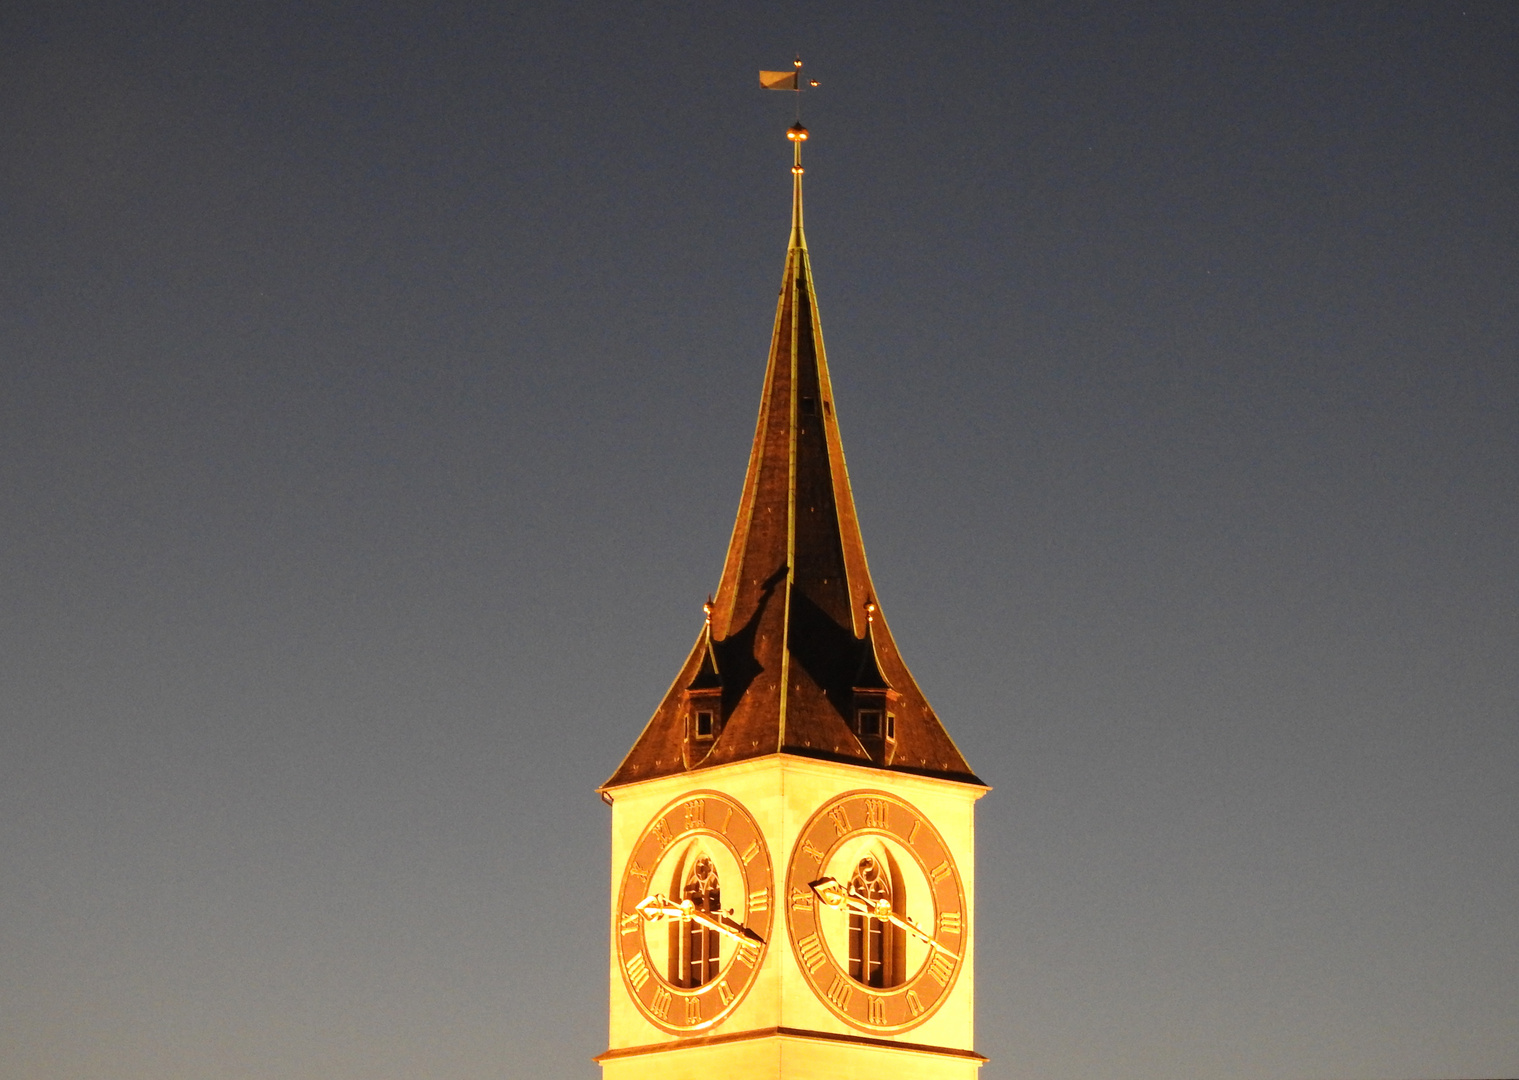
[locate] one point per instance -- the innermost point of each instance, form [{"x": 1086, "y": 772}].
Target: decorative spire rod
[{"x": 798, "y": 135}]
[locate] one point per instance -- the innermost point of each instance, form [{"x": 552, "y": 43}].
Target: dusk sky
[{"x": 376, "y": 386}]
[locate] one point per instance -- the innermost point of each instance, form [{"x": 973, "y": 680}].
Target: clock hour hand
[
  {"x": 742, "y": 934},
  {"x": 657, "y": 907},
  {"x": 834, "y": 895}
]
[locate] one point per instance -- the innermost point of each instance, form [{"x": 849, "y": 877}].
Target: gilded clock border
[
  {"x": 905, "y": 993},
  {"x": 759, "y": 871}
]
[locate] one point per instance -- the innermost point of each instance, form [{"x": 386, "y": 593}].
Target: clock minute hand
[
  {"x": 918, "y": 932},
  {"x": 881, "y": 909},
  {"x": 832, "y": 893}
]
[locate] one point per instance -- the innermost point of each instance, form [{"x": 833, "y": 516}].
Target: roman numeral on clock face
[
  {"x": 638, "y": 970},
  {"x": 840, "y": 820},
  {"x": 876, "y": 813},
  {"x": 940, "y": 872},
  {"x": 693, "y": 1010},
  {"x": 759, "y": 900},
  {"x": 801, "y": 899},
  {"x": 750, "y": 852},
  {"x": 840, "y": 993},
  {"x": 660, "y": 1005},
  {"x": 940, "y": 968},
  {"x": 628, "y": 924},
  {"x": 949, "y": 922},
  {"x": 813, "y": 956}
]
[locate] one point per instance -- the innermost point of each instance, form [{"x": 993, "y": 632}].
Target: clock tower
[{"x": 793, "y": 835}]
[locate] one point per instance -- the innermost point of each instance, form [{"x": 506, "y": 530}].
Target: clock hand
[
  {"x": 918, "y": 932},
  {"x": 881, "y": 909},
  {"x": 656, "y": 907},
  {"x": 739, "y": 933},
  {"x": 833, "y": 894}
]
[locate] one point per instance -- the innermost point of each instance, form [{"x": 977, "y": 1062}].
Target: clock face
[
  {"x": 876, "y": 911},
  {"x": 694, "y": 912}
]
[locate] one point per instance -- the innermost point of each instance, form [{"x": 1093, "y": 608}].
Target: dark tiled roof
[{"x": 789, "y": 640}]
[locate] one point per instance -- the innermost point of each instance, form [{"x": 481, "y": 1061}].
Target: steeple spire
[{"x": 794, "y": 634}]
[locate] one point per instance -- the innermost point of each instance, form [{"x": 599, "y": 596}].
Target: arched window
[
  {"x": 872, "y": 941},
  {"x": 697, "y": 945}
]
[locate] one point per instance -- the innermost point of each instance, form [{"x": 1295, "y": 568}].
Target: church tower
[{"x": 793, "y": 835}]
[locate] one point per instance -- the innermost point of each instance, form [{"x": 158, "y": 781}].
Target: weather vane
[{"x": 788, "y": 80}]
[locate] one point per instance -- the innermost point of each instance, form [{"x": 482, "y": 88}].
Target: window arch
[
  {"x": 875, "y": 945},
  {"x": 695, "y": 947}
]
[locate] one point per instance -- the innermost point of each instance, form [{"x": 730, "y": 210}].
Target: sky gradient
[{"x": 376, "y": 384}]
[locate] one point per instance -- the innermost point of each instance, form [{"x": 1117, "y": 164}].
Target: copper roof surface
[{"x": 790, "y": 640}]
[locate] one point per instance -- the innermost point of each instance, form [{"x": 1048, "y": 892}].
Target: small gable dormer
[
  {"x": 703, "y": 705},
  {"x": 874, "y": 699}
]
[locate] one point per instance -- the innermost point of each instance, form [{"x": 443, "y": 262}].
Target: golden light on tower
[{"x": 793, "y": 833}]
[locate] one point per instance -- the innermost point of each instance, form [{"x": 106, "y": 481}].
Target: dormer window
[
  {"x": 704, "y": 699},
  {"x": 875, "y": 721}
]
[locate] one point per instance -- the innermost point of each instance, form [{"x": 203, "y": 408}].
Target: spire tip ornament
[{"x": 796, "y": 134}]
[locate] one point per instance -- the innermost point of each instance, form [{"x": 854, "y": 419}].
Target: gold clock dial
[
  {"x": 694, "y": 912},
  {"x": 876, "y": 911}
]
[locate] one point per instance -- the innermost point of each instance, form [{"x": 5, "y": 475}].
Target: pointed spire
[{"x": 794, "y": 626}]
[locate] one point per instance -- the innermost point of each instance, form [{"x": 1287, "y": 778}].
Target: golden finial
[
  {"x": 707, "y": 609},
  {"x": 870, "y": 611},
  {"x": 798, "y": 135}
]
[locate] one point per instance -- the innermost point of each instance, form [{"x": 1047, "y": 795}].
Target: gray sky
[{"x": 376, "y": 382}]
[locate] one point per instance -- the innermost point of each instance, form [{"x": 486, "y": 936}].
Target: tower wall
[{"x": 783, "y": 792}]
